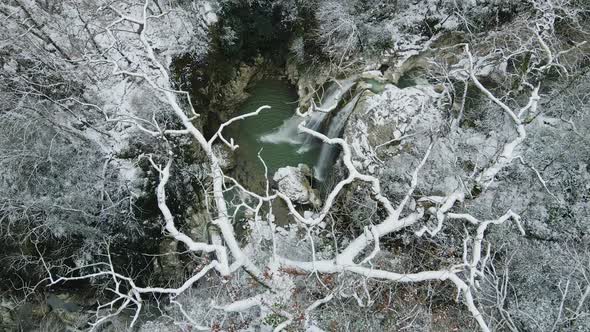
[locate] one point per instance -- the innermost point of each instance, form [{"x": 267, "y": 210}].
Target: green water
[
  {"x": 282, "y": 98},
  {"x": 249, "y": 170},
  {"x": 376, "y": 86}
]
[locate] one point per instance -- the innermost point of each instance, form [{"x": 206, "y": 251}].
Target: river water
[
  {"x": 265, "y": 133},
  {"x": 252, "y": 134}
]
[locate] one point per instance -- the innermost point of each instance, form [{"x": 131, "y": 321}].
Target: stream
[
  {"x": 274, "y": 134},
  {"x": 262, "y": 132},
  {"x": 265, "y": 134}
]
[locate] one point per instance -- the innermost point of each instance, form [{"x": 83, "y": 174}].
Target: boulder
[
  {"x": 294, "y": 183},
  {"x": 375, "y": 75},
  {"x": 379, "y": 124}
]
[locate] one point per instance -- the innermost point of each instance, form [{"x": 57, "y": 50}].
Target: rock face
[
  {"x": 377, "y": 127},
  {"x": 226, "y": 157},
  {"x": 294, "y": 183},
  {"x": 389, "y": 134},
  {"x": 7, "y": 307}
]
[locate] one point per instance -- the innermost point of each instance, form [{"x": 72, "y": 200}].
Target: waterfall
[
  {"x": 329, "y": 151},
  {"x": 329, "y": 101},
  {"x": 288, "y": 132},
  {"x": 334, "y": 93},
  {"x": 314, "y": 123}
]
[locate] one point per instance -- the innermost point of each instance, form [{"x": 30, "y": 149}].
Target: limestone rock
[
  {"x": 379, "y": 123},
  {"x": 294, "y": 183},
  {"x": 7, "y": 308},
  {"x": 373, "y": 75},
  {"x": 226, "y": 157}
]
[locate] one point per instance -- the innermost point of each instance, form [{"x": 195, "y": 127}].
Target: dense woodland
[{"x": 451, "y": 191}]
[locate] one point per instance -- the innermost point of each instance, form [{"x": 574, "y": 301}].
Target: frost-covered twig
[
  {"x": 447, "y": 203},
  {"x": 227, "y": 236},
  {"x": 344, "y": 262},
  {"x": 507, "y": 154},
  {"x": 219, "y": 135}
]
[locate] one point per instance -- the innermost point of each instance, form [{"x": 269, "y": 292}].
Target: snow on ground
[{"x": 391, "y": 115}]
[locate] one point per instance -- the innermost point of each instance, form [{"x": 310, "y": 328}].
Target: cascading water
[
  {"x": 278, "y": 150},
  {"x": 329, "y": 151},
  {"x": 288, "y": 132},
  {"x": 330, "y": 100}
]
